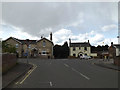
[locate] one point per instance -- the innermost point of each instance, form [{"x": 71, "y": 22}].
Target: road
[{"x": 66, "y": 73}]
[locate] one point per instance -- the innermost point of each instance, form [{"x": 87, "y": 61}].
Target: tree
[
  {"x": 61, "y": 51},
  {"x": 57, "y": 51},
  {"x": 8, "y": 48},
  {"x": 65, "y": 50}
]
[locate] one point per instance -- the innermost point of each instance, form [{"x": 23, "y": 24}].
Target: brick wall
[
  {"x": 8, "y": 61},
  {"x": 117, "y": 61}
]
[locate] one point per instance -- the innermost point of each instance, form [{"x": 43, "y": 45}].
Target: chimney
[
  {"x": 88, "y": 41},
  {"x": 69, "y": 41},
  {"x": 41, "y": 37},
  {"x": 111, "y": 43},
  {"x": 51, "y": 36}
]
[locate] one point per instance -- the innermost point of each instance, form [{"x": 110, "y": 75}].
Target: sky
[{"x": 80, "y": 21}]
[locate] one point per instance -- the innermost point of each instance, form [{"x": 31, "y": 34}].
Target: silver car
[{"x": 85, "y": 57}]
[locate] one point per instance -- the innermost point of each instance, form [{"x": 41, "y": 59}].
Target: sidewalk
[
  {"x": 14, "y": 73},
  {"x": 107, "y": 64}
]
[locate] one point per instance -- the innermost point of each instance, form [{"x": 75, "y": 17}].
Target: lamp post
[{"x": 27, "y": 49}]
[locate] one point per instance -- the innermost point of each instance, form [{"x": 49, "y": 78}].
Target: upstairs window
[
  {"x": 29, "y": 46},
  {"x": 16, "y": 45},
  {"x": 73, "y": 48},
  {"x": 85, "y": 48},
  {"x": 44, "y": 43}
]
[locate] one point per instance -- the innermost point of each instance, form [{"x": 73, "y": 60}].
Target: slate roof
[
  {"x": 117, "y": 45},
  {"x": 26, "y": 41},
  {"x": 30, "y": 41},
  {"x": 45, "y": 39},
  {"x": 81, "y": 44}
]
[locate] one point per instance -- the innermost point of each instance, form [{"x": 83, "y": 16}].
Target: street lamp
[{"x": 27, "y": 49}]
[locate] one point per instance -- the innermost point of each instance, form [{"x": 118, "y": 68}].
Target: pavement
[
  {"x": 14, "y": 73},
  {"x": 107, "y": 64}
]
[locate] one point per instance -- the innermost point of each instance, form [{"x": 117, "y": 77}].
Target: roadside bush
[{"x": 8, "y": 48}]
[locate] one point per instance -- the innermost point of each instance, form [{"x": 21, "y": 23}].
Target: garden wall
[
  {"x": 8, "y": 61},
  {"x": 117, "y": 61}
]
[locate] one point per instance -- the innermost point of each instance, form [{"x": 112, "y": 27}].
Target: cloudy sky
[{"x": 80, "y": 21}]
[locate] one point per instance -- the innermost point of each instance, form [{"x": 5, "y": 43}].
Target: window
[
  {"x": 85, "y": 48},
  {"x": 79, "y": 48},
  {"x": 16, "y": 45},
  {"x": 80, "y": 54},
  {"x": 43, "y": 52},
  {"x": 44, "y": 43},
  {"x": 29, "y": 46},
  {"x": 74, "y": 55},
  {"x": 73, "y": 48}
]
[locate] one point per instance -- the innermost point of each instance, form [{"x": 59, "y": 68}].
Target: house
[
  {"x": 80, "y": 48},
  {"x": 117, "y": 46},
  {"x": 112, "y": 51},
  {"x": 45, "y": 48},
  {"x": 42, "y": 48}
]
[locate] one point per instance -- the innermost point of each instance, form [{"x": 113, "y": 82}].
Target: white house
[
  {"x": 80, "y": 48},
  {"x": 117, "y": 46}
]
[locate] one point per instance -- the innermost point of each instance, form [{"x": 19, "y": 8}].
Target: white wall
[{"x": 88, "y": 52}]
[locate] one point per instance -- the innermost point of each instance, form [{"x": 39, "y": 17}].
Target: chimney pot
[
  {"x": 88, "y": 41},
  {"x": 51, "y": 36}
]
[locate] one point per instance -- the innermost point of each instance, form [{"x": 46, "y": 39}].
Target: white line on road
[
  {"x": 81, "y": 74},
  {"x": 51, "y": 84},
  {"x": 66, "y": 65}
]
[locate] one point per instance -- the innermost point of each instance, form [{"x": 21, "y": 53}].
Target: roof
[
  {"x": 45, "y": 39},
  {"x": 81, "y": 44},
  {"x": 13, "y": 39},
  {"x": 30, "y": 41},
  {"x": 117, "y": 45},
  {"x": 26, "y": 41}
]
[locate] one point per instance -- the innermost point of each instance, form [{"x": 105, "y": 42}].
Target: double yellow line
[{"x": 28, "y": 74}]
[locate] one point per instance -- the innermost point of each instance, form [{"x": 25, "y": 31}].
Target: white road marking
[
  {"x": 81, "y": 74},
  {"x": 66, "y": 65},
  {"x": 51, "y": 84}
]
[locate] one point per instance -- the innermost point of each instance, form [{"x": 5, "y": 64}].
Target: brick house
[
  {"x": 42, "y": 48},
  {"x": 112, "y": 51}
]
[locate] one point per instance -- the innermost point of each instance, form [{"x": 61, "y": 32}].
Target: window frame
[
  {"x": 74, "y": 54},
  {"x": 43, "y": 43},
  {"x": 43, "y": 53},
  {"x": 85, "y": 48},
  {"x": 74, "y": 48}
]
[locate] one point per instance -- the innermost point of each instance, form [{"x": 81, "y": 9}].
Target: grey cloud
[{"x": 36, "y": 18}]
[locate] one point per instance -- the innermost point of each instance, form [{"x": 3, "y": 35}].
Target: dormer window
[{"x": 44, "y": 43}]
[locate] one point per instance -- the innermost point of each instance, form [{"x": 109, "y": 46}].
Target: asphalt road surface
[{"x": 66, "y": 73}]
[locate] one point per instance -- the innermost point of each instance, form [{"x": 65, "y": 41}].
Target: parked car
[{"x": 85, "y": 57}]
